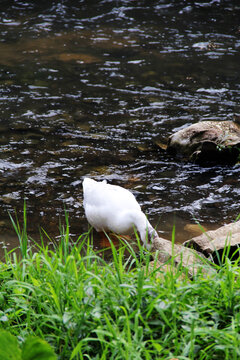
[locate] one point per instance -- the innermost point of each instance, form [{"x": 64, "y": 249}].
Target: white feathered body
[{"x": 113, "y": 208}]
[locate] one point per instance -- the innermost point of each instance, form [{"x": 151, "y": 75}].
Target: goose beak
[{"x": 152, "y": 234}]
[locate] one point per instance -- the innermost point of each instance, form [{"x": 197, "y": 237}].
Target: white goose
[{"x": 113, "y": 208}]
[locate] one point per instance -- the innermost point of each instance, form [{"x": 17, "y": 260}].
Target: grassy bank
[{"x": 87, "y": 308}]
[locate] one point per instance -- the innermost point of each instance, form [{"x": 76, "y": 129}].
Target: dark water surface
[{"x": 91, "y": 87}]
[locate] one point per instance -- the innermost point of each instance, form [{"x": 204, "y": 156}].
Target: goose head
[{"x": 146, "y": 231}]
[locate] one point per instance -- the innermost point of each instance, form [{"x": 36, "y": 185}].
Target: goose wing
[{"x": 108, "y": 207}]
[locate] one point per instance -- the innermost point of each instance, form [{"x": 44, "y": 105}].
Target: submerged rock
[
  {"x": 207, "y": 141},
  {"x": 215, "y": 244},
  {"x": 194, "y": 229}
]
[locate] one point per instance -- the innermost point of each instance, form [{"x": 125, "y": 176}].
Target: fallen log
[
  {"x": 189, "y": 259},
  {"x": 213, "y": 243}
]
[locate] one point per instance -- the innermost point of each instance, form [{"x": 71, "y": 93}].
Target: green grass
[{"x": 88, "y": 308}]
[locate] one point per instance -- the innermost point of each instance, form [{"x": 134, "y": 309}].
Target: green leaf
[
  {"x": 37, "y": 349},
  {"x": 9, "y": 349},
  {"x": 157, "y": 346}
]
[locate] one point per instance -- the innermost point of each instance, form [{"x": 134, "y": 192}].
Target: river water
[{"x": 91, "y": 88}]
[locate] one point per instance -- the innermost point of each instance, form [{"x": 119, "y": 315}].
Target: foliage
[
  {"x": 86, "y": 307},
  {"x": 33, "y": 348}
]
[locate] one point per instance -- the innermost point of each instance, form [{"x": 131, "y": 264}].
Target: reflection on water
[{"x": 91, "y": 89}]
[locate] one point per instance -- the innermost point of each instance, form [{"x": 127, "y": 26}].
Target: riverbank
[{"x": 88, "y": 308}]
